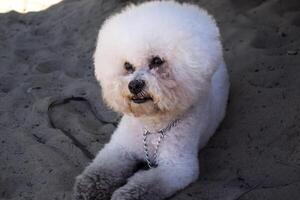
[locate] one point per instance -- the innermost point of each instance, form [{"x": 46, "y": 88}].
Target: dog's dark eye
[
  {"x": 128, "y": 67},
  {"x": 156, "y": 62}
]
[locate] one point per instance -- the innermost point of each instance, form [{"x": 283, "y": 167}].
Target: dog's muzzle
[{"x": 136, "y": 87}]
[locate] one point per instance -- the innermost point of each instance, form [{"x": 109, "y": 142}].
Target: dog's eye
[
  {"x": 128, "y": 67},
  {"x": 156, "y": 62}
]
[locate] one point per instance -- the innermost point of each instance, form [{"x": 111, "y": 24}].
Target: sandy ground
[
  {"x": 24, "y": 6},
  {"x": 52, "y": 119}
]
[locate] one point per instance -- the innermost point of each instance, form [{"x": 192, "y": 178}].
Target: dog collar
[{"x": 162, "y": 133}]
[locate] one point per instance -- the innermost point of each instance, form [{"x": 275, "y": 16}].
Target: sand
[
  {"x": 24, "y": 6},
  {"x": 53, "y": 121}
]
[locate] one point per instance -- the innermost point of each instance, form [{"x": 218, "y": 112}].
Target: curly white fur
[{"x": 192, "y": 85}]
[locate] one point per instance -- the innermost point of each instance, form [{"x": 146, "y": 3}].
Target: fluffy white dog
[{"x": 161, "y": 64}]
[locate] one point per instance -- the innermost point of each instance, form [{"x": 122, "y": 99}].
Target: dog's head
[{"x": 157, "y": 57}]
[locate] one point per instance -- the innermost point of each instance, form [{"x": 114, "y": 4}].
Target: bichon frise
[{"x": 161, "y": 64}]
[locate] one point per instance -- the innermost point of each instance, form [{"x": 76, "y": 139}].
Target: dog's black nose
[{"x": 136, "y": 86}]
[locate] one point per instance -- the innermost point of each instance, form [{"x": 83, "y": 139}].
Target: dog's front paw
[
  {"x": 125, "y": 193},
  {"x": 93, "y": 186},
  {"x": 136, "y": 192}
]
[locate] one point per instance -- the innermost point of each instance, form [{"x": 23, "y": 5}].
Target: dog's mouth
[{"x": 141, "y": 98}]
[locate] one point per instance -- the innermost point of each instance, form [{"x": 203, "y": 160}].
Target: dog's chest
[
  {"x": 152, "y": 147},
  {"x": 151, "y": 141}
]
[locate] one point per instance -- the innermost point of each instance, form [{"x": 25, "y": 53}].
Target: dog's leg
[
  {"x": 109, "y": 170},
  {"x": 159, "y": 183}
]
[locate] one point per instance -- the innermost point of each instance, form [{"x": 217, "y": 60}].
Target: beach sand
[{"x": 53, "y": 121}]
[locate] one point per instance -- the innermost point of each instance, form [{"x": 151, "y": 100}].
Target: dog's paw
[
  {"x": 136, "y": 192},
  {"x": 92, "y": 186},
  {"x": 125, "y": 193}
]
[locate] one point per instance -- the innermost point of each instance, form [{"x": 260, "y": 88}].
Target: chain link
[{"x": 162, "y": 134}]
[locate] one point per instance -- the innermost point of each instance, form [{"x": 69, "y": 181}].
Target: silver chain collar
[{"x": 162, "y": 134}]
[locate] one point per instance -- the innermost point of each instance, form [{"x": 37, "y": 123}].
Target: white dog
[{"x": 161, "y": 64}]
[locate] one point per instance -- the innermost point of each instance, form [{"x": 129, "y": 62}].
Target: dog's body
[{"x": 188, "y": 84}]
